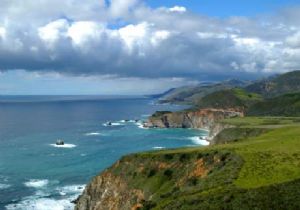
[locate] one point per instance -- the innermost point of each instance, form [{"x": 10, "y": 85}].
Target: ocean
[{"x": 35, "y": 174}]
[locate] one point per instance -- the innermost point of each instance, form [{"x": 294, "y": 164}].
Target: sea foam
[
  {"x": 158, "y": 148},
  {"x": 64, "y": 146},
  {"x": 197, "y": 140},
  {"x": 94, "y": 134},
  {"x": 4, "y": 186},
  {"x": 36, "y": 183},
  {"x": 41, "y": 201},
  {"x": 112, "y": 124},
  {"x": 41, "y": 204}
]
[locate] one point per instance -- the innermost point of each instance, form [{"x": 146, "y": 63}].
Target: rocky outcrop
[
  {"x": 109, "y": 192},
  {"x": 147, "y": 180},
  {"x": 201, "y": 119}
]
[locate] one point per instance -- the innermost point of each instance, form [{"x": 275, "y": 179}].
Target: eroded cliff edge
[
  {"x": 136, "y": 181},
  {"x": 209, "y": 119},
  {"x": 148, "y": 180}
]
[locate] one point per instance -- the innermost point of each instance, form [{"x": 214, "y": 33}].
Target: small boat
[{"x": 60, "y": 142}]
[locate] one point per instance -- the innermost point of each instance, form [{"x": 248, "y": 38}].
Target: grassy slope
[
  {"x": 233, "y": 98},
  {"x": 281, "y": 84},
  {"x": 191, "y": 94},
  {"x": 260, "y": 172},
  {"x": 285, "y": 105}
]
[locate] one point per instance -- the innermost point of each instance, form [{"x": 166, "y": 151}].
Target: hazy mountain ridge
[
  {"x": 277, "y": 95},
  {"x": 191, "y": 94}
]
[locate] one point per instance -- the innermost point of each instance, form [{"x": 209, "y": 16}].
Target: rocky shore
[{"x": 208, "y": 119}]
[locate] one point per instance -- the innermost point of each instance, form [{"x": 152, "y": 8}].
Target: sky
[{"x": 132, "y": 47}]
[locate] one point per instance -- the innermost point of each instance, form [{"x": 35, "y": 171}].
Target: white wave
[
  {"x": 198, "y": 140},
  {"x": 94, "y": 134},
  {"x": 36, "y": 183},
  {"x": 112, "y": 124},
  {"x": 158, "y": 148},
  {"x": 71, "y": 189},
  {"x": 141, "y": 125},
  {"x": 4, "y": 186},
  {"x": 42, "y": 201},
  {"x": 64, "y": 146},
  {"x": 42, "y": 204}
]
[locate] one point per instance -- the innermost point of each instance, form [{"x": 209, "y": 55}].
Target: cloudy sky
[{"x": 142, "y": 46}]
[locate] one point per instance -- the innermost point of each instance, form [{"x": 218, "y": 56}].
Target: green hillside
[
  {"x": 233, "y": 98},
  {"x": 256, "y": 172},
  {"x": 285, "y": 105},
  {"x": 191, "y": 94},
  {"x": 281, "y": 84}
]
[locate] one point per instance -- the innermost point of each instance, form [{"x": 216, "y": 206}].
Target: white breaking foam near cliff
[
  {"x": 141, "y": 125},
  {"x": 42, "y": 200},
  {"x": 112, "y": 124},
  {"x": 64, "y": 146},
  {"x": 199, "y": 141},
  {"x": 41, "y": 204}
]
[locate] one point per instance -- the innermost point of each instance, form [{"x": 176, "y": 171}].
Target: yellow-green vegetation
[
  {"x": 267, "y": 122},
  {"x": 284, "y": 105},
  {"x": 244, "y": 95},
  {"x": 231, "y": 98},
  {"x": 259, "y": 171},
  {"x": 273, "y": 157}
]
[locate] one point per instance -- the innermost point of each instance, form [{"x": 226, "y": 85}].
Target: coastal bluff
[{"x": 197, "y": 119}]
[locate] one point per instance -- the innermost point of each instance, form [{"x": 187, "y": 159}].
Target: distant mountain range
[
  {"x": 277, "y": 95},
  {"x": 192, "y": 94}
]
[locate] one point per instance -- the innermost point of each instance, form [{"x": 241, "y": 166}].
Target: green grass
[
  {"x": 244, "y": 95},
  {"x": 271, "y": 158},
  {"x": 284, "y": 105},
  {"x": 260, "y": 170},
  {"x": 262, "y": 121}
]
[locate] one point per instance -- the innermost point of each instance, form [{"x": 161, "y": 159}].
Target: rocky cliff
[
  {"x": 109, "y": 192},
  {"x": 148, "y": 180},
  {"x": 202, "y": 119}
]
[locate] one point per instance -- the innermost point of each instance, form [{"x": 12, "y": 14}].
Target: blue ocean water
[{"x": 36, "y": 175}]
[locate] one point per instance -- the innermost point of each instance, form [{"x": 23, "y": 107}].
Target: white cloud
[
  {"x": 82, "y": 31},
  {"x": 178, "y": 9},
  {"x": 119, "y": 8},
  {"x": 294, "y": 40},
  {"x": 51, "y": 32},
  {"x": 129, "y": 39},
  {"x": 133, "y": 34},
  {"x": 2, "y": 32},
  {"x": 159, "y": 36},
  {"x": 210, "y": 35}
]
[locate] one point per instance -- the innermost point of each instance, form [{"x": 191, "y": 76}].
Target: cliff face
[
  {"x": 109, "y": 192},
  {"x": 204, "y": 119},
  {"x": 146, "y": 181}
]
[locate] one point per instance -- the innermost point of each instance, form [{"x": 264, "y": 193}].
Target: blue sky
[
  {"x": 226, "y": 8},
  {"x": 142, "y": 46}
]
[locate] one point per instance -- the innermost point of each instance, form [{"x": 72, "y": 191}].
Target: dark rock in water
[
  {"x": 136, "y": 120},
  {"x": 109, "y": 123},
  {"x": 126, "y": 120},
  {"x": 60, "y": 142},
  {"x": 76, "y": 200}
]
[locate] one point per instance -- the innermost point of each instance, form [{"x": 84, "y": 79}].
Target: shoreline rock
[{"x": 208, "y": 119}]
